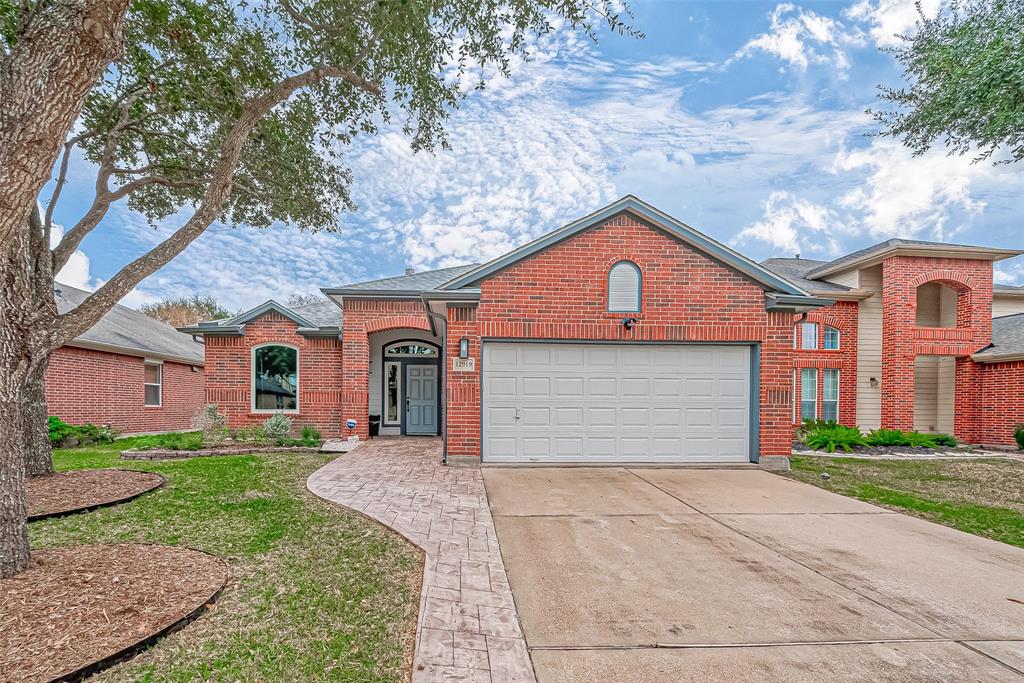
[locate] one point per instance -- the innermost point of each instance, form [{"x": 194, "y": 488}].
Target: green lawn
[
  {"x": 983, "y": 497},
  {"x": 318, "y": 592}
]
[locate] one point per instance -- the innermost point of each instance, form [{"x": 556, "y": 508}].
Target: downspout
[{"x": 431, "y": 316}]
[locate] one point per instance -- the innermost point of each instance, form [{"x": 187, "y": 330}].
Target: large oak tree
[{"x": 218, "y": 110}]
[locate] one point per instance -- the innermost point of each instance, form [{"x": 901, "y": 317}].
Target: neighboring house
[
  {"x": 627, "y": 336},
  {"x": 129, "y": 371}
]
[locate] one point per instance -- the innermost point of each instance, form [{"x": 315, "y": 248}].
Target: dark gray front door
[{"x": 420, "y": 399}]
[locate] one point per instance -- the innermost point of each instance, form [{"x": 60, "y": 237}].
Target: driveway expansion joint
[{"x": 468, "y": 628}]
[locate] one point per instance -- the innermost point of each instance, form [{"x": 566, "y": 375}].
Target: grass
[
  {"x": 318, "y": 592},
  {"x": 983, "y": 497}
]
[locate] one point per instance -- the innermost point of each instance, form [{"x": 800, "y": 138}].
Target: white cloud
[
  {"x": 904, "y": 195},
  {"x": 800, "y": 37},
  {"x": 795, "y": 226},
  {"x": 1009, "y": 272},
  {"x": 888, "y": 19},
  {"x": 76, "y": 271}
]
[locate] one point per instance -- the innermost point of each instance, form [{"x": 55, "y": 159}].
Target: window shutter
[{"x": 624, "y": 288}]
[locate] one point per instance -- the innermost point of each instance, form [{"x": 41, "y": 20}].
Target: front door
[{"x": 420, "y": 399}]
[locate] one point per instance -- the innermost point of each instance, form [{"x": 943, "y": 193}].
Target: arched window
[
  {"x": 275, "y": 378},
  {"x": 830, "y": 339},
  {"x": 624, "y": 286},
  {"x": 410, "y": 349}
]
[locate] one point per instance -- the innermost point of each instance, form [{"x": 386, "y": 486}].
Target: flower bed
[{"x": 64, "y": 493}]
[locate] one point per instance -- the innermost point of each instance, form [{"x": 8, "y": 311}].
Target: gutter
[
  {"x": 998, "y": 357},
  {"x": 431, "y": 316}
]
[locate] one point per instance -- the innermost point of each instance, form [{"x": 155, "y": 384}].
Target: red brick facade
[
  {"x": 903, "y": 340},
  {"x": 842, "y": 316},
  {"x": 560, "y": 293},
  {"x": 84, "y": 385},
  {"x": 229, "y": 374}
]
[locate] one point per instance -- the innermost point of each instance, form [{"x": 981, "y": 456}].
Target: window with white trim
[
  {"x": 808, "y": 393},
  {"x": 624, "y": 286},
  {"x": 830, "y": 339},
  {"x": 275, "y": 378},
  {"x": 830, "y": 394},
  {"x": 808, "y": 335},
  {"x": 154, "y": 384}
]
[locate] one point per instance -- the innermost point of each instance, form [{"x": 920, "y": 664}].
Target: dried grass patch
[{"x": 78, "y": 607}]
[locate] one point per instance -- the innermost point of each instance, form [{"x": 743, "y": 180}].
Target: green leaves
[
  {"x": 965, "y": 70},
  {"x": 191, "y": 67}
]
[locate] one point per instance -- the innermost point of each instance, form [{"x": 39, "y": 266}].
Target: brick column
[
  {"x": 777, "y": 386},
  {"x": 899, "y": 311},
  {"x": 462, "y": 425},
  {"x": 355, "y": 382}
]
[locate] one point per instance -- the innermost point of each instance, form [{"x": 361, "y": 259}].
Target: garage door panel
[{"x": 615, "y": 403}]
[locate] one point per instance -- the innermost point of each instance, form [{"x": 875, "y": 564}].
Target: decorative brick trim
[
  {"x": 957, "y": 279},
  {"x": 416, "y": 322}
]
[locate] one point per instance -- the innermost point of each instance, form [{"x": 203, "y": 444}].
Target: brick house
[
  {"x": 129, "y": 371},
  {"x": 627, "y": 336}
]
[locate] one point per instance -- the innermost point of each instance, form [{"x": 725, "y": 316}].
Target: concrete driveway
[{"x": 726, "y": 575}]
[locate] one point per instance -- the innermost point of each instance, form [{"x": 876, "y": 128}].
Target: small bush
[
  {"x": 918, "y": 440},
  {"x": 251, "y": 436},
  {"x": 212, "y": 424},
  {"x": 830, "y": 437},
  {"x": 810, "y": 424},
  {"x": 887, "y": 437},
  {"x": 64, "y": 434},
  {"x": 175, "y": 441},
  {"x": 310, "y": 434},
  {"x": 278, "y": 426},
  {"x": 944, "y": 440},
  {"x": 1018, "y": 435}
]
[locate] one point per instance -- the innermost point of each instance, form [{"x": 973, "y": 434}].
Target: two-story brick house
[{"x": 628, "y": 336}]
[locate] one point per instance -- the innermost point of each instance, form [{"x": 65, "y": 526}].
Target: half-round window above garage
[{"x": 624, "y": 286}]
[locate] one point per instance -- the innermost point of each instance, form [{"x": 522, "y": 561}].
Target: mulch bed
[
  {"x": 63, "y": 493},
  {"x": 81, "y": 609},
  {"x": 169, "y": 454}
]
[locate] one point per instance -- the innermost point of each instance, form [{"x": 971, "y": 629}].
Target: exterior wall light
[
  {"x": 628, "y": 323},
  {"x": 874, "y": 382},
  {"x": 464, "y": 347}
]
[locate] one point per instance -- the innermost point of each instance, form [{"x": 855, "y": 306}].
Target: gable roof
[
  {"x": 876, "y": 252},
  {"x": 411, "y": 285},
  {"x": 648, "y": 214},
  {"x": 125, "y": 330},
  {"x": 1007, "y": 339},
  {"x": 322, "y": 318}
]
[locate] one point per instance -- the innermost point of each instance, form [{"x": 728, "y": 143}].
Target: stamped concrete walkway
[{"x": 468, "y": 628}]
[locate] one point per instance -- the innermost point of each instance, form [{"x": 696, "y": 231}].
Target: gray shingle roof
[
  {"x": 1007, "y": 336},
  {"x": 417, "y": 282},
  {"x": 881, "y": 246},
  {"x": 323, "y": 313},
  {"x": 130, "y": 331},
  {"x": 795, "y": 269}
]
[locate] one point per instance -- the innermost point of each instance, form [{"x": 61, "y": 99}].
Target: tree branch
[
  {"x": 217, "y": 194},
  {"x": 101, "y": 202}
]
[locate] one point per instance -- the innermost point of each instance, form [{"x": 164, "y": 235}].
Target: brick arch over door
[
  {"x": 961, "y": 282},
  {"x": 394, "y": 322}
]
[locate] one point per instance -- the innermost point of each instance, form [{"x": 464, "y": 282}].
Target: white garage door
[{"x": 615, "y": 403}]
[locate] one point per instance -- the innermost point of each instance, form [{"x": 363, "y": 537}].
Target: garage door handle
[{"x": 517, "y": 413}]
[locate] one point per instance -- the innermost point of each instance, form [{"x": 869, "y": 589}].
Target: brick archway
[
  {"x": 961, "y": 282},
  {"x": 394, "y": 322}
]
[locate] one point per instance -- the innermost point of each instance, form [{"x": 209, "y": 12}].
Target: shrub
[
  {"x": 175, "y": 441},
  {"x": 212, "y": 423},
  {"x": 1018, "y": 435},
  {"x": 887, "y": 437},
  {"x": 830, "y": 437},
  {"x": 918, "y": 440},
  {"x": 277, "y": 426},
  {"x": 310, "y": 434},
  {"x": 945, "y": 440},
  {"x": 810, "y": 424},
  {"x": 62, "y": 433}
]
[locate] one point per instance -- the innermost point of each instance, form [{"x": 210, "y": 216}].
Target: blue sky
[{"x": 745, "y": 120}]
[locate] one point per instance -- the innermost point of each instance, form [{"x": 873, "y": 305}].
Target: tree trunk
[
  {"x": 38, "y": 453},
  {"x": 44, "y": 80},
  {"x": 14, "y": 551}
]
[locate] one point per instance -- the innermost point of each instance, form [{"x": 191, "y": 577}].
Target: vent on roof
[{"x": 410, "y": 271}]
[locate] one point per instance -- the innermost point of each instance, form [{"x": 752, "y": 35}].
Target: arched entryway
[{"x": 405, "y": 382}]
